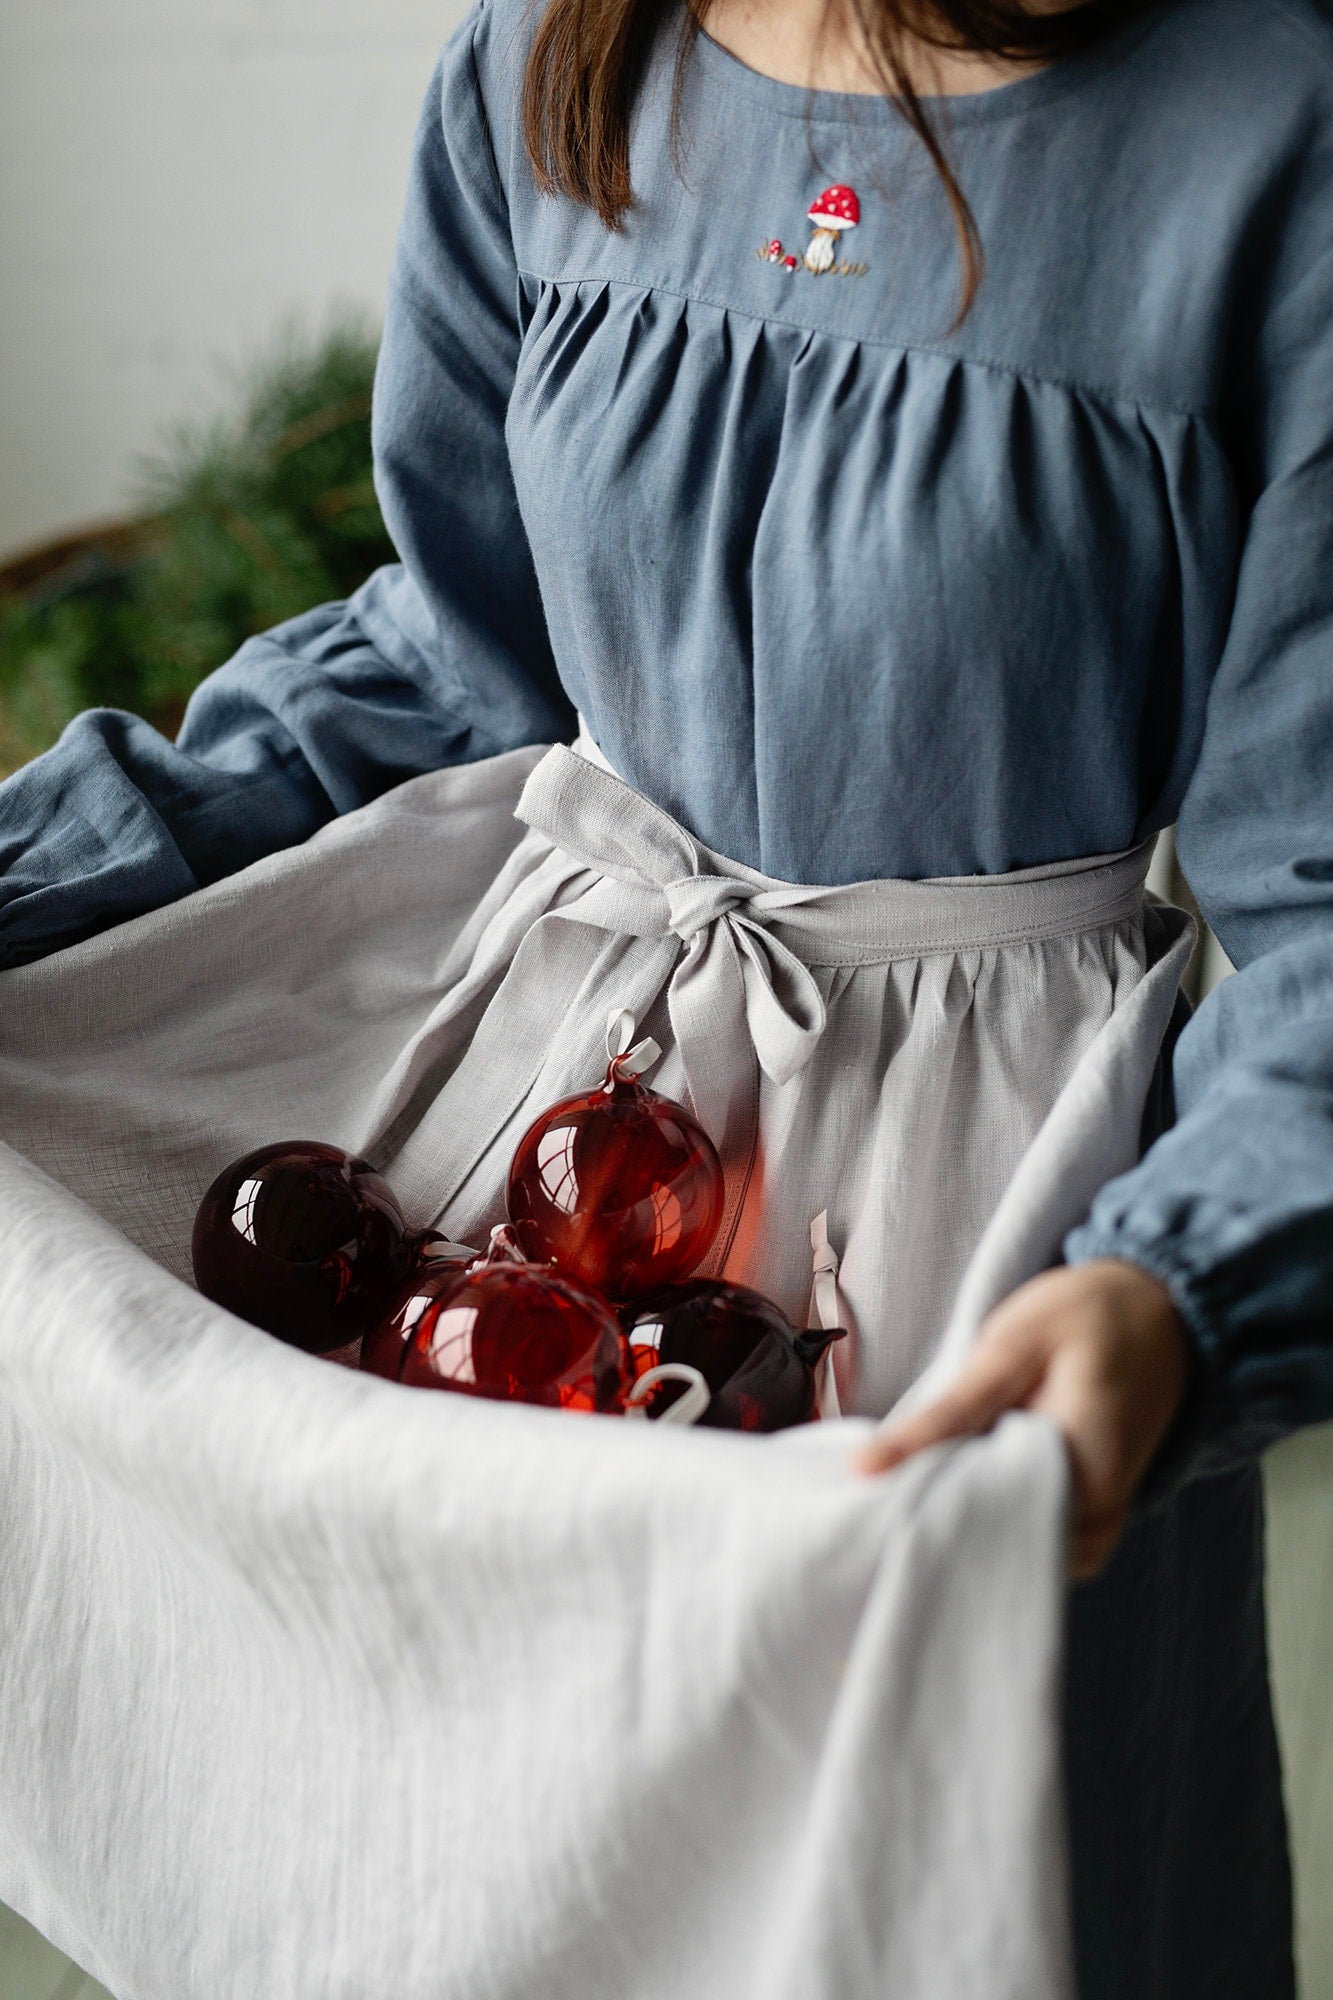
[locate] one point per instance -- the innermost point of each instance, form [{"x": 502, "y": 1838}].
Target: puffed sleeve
[
  {"x": 438, "y": 660},
  {"x": 1233, "y": 1207}
]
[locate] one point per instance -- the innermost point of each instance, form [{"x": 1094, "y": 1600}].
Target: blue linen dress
[{"x": 854, "y": 592}]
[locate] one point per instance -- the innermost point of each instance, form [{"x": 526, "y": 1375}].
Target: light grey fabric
[
  {"x": 316, "y": 1686},
  {"x": 890, "y": 1051}
]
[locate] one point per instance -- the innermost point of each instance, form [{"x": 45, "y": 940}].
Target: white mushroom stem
[{"x": 819, "y": 250}]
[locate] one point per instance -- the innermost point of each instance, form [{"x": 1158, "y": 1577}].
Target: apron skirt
[{"x": 313, "y": 1685}]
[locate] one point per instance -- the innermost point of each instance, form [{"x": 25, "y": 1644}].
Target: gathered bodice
[{"x": 850, "y": 589}]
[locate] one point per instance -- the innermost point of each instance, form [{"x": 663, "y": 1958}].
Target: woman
[{"x": 924, "y": 477}]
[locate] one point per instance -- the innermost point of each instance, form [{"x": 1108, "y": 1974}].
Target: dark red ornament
[
  {"x": 513, "y": 1331},
  {"x": 303, "y": 1240},
  {"x": 435, "y": 1259},
  {"x": 620, "y": 1187},
  {"x": 759, "y": 1369}
]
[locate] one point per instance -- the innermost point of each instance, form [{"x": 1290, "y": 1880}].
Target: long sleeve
[
  {"x": 1233, "y": 1207},
  {"x": 439, "y": 660}
]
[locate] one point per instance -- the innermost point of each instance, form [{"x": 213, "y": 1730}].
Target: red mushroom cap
[{"x": 836, "y": 208}]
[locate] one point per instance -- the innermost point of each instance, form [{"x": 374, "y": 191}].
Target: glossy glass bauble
[
  {"x": 303, "y": 1240},
  {"x": 620, "y": 1187},
  {"x": 515, "y": 1332},
  {"x": 434, "y": 1258},
  {"x": 759, "y": 1369}
]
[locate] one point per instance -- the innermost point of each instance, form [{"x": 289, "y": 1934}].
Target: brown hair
[{"x": 588, "y": 56}]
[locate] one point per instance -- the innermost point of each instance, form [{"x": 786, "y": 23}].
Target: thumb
[{"x": 1001, "y": 1375}]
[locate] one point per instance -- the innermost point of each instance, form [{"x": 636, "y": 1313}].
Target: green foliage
[{"x": 245, "y": 521}]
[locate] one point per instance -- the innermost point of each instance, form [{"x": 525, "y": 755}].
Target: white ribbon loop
[
  {"x": 686, "y": 1409},
  {"x": 824, "y": 1303},
  {"x": 825, "y": 1310},
  {"x": 631, "y": 1061}
]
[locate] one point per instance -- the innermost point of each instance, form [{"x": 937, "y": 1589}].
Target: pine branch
[{"x": 243, "y": 522}]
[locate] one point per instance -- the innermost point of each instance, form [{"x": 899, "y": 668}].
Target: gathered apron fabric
[{"x": 312, "y": 1685}]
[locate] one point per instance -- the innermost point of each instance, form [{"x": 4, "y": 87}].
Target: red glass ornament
[
  {"x": 759, "y": 1369},
  {"x": 514, "y": 1331},
  {"x": 303, "y": 1240},
  {"x": 434, "y": 1258},
  {"x": 620, "y": 1187}
]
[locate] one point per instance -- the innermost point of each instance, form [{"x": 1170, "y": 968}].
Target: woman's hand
[{"x": 1100, "y": 1349}]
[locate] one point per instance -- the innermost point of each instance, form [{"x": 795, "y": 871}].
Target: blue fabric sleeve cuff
[{"x": 1217, "y": 1428}]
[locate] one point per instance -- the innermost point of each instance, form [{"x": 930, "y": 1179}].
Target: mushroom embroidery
[{"x": 831, "y": 212}]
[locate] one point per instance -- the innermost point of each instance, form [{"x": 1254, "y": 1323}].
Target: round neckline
[{"x": 973, "y": 107}]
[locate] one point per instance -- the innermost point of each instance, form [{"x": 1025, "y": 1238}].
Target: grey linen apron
[
  {"x": 950, "y": 1068},
  {"x": 316, "y": 1686}
]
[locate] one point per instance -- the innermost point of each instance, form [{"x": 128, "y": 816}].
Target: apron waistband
[{"x": 578, "y": 801}]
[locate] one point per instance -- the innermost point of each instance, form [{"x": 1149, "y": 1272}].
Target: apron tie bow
[{"x": 736, "y": 980}]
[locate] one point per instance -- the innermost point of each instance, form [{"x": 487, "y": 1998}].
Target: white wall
[{"x": 176, "y": 176}]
